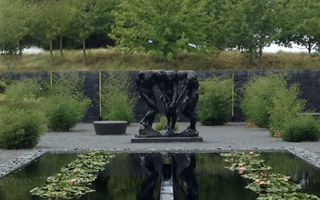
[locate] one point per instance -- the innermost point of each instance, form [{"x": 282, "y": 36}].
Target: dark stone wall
[{"x": 309, "y": 81}]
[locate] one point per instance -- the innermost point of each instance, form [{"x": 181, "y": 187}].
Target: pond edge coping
[{"x": 26, "y": 158}]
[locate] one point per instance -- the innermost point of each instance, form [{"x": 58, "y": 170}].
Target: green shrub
[
  {"x": 162, "y": 122},
  {"x": 257, "y": 97},
  {"x": 215, "y": 101},
  {"x": 20, "y": 127},
  {"x": 65, "y": 105},
  {"x": 301, "y": 128},
  {"x": 64, "y": 113},
  {"x": 29, "y": 89},
  {"x": 285, "y": 105},
  {"x": 117, "y": 104}
]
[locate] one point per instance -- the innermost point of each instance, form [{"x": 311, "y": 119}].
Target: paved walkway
[{"x": 233, "y": 135}]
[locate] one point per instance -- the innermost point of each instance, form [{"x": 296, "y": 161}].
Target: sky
[{"x": 275, "y": 48}]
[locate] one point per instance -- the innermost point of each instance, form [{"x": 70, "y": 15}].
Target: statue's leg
[
  {"x": 174, "y": 118},
  {"x": 192, "y": 103},
  {"x": 184, "y": 108},
  {"x": 150, "y": 116},
  {"x": 168, "y": 114}
]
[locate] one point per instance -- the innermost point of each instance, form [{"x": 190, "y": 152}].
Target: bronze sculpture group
[{"x": 167, "y": 81}]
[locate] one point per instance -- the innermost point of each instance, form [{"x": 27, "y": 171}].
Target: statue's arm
[
  {"x": 138, "y": 81},
  {"x": 163, "y": 90},
  {"x": 175, "y": 94},
  {"x": 183, "y": 92}
]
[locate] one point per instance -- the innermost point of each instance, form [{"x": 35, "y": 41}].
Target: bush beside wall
[
  {"x": 215, "y": 101},
  {"x": 20, "y": 127},
  {"x": 301, "y": 128}
]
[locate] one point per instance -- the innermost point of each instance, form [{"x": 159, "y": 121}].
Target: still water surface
[{"x": 137, "y": 176}]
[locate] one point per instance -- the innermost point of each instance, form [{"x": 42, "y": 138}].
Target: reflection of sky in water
[{"x": 131, "y": 174}]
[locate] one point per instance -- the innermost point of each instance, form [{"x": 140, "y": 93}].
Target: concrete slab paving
[{"x": 231, "y": 135}]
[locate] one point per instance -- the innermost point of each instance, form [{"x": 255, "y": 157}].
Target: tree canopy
[{"x": 163, "y": 29}]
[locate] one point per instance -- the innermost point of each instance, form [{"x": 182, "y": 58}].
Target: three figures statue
[{"x": 167, "y": 81}]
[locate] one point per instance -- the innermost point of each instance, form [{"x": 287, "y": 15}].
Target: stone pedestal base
[{"x": 166, "y": 139}]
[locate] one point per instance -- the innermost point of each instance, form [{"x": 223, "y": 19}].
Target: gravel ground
[{"x": 232, "y": 136}]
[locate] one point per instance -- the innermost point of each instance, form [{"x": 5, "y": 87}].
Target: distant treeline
[{"x": 163, "y": 28}]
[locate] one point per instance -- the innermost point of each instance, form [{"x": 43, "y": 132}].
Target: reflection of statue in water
[
  {"x": 190, "y": 87},
  {"x": 145, "y": 82},
  {"x": 168, "y": 84},
  {"x": 184, "y": 166},
  {"x": 152, "y": 163},
  {"x": 178, "y": 174}
]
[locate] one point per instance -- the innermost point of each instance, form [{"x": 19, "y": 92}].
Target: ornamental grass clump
[
  {"x": 215, "y": 101},
  {"x": 301, "y": 128},
  {"x": 285, "y": 106},
  {"x": 257, "y": 97},
  {"x": 22, "y": 121},
  {"x": 270, "y": 103},
  {"x": 65, "y": 104},
  {"x": 117, "y": 101},
  {"x": 162, "y": 122},
  {"x": 20, "y": 127}
]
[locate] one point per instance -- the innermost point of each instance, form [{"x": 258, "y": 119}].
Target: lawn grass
[{"x": 111, "y": 60}]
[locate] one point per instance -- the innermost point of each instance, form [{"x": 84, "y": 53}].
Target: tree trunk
[
  {"x": 166, "y": 63},
  {"x": 51, "y": 53},
  {"x": 84, "y": 52},
  {"x": 309, "y": 48},
  {"x": 260, "y": 57},
  {"x": 250, "y": 58},
  {"x": 19, "y": 49},
  {"x": 61, "y": 51}
]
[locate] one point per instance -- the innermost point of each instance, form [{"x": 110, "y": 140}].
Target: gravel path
[{"x": 231, "y": 136}]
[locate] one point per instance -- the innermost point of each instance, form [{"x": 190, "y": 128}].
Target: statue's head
[
  {"x": 171, "y": 74},
  {"x": 182, "y": 74},
  {"x": 161, "y": 74}
]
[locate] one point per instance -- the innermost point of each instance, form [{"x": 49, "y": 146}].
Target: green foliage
[
  {"x": 273, "y": 186},
  {"x": 301, "y": 128},
  {"x": 64, "y": 113},
  {"x": 215, "y": 101},
  {"x": 26, "y": 89},
  {"x": 3, "y": 86},
  {"x": 162, "y": 122},
  {"x": 73, "y": 180},
  {"x": 287, "y": 196},
  {"x": 285, "y": 106},
  {"x": 65, "y": 104},
  {"x": 258, "y": 93},
  {"x": 20, "y": 127},
  {"x": 163, "y": 29},
  {"x": 117, "y": 103},
  {"x": 269, "y": 186}
]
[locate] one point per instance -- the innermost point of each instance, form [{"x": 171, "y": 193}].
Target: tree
[
  {"x": 83, "y": 21},
  {"x": 163, "y": 28},
  {"x": 261, "y": 18},
  {"x": 301, "y": 25},
  {"x": 53, "y": 21},
  {"x": 14, "y": 15},
  {"x": 237, "y": 31}
]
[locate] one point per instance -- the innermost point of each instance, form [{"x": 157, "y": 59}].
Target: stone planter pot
[{"x": 110, "y": 127}]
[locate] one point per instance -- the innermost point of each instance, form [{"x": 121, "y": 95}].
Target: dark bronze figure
[
  {"x": 190, "y": 88},
  {"x": 145, "y": 82},
  {"x": 168, "y": 84}
]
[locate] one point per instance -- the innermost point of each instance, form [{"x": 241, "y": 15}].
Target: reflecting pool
[{"x": 200, "y": 176}]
